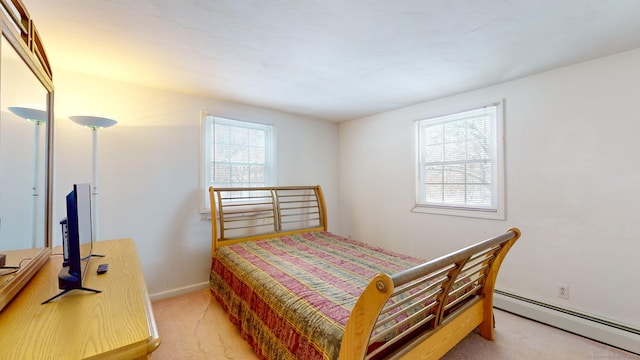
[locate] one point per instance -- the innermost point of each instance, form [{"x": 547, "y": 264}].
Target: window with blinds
[
  {"x": 460, "y": 167},
  {"x": 234, "y": 154}
]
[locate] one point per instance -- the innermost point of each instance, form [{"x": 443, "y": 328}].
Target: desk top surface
[{"x": 116, "y": 323}]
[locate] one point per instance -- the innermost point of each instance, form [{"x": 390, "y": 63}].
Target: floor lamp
[
  {"x": 37, "y": 116},
  {"x": 94, "y": 123}
]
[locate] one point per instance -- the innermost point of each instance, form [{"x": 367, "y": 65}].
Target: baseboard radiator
[{"x": 617, "y": 335}]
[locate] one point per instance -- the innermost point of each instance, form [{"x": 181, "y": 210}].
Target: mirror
[
  {"x": 26, "y": 123},
  {"x": 22, "y": 139}
]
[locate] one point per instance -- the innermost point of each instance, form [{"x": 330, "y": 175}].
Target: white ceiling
[{"x": 329, "y": 59}]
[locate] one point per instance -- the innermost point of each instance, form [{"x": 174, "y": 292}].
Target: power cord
[{"x": 15, "y": 268}]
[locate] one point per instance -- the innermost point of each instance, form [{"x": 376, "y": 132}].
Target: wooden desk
[{"x": 117, "y": 323}]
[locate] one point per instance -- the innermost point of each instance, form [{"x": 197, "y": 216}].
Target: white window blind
[
  {"x": 234, "y": 154},
  {"x": 460, "y": 163}
]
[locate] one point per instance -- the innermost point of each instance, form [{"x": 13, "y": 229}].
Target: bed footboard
[{"x": 435, "y": 305}]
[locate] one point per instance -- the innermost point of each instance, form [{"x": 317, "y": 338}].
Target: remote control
[{"x": 102, "y": 268}]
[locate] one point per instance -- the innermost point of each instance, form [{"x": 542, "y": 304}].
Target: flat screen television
[{"x": 77, "y": 240}]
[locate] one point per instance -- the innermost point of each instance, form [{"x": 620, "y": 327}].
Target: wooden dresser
[{"x": 117, "y": 323}]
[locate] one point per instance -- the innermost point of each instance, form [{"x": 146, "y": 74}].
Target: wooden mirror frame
[{"x": 21, "y": 34}]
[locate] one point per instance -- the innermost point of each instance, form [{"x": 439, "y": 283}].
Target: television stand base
[
  {"x": 92, "y": 255},
  {"x": 68, "y": 290}
]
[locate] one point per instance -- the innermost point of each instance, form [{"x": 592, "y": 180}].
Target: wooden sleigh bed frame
[{"x": 451, "y": 295}]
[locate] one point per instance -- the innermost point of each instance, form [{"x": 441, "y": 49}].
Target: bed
[{"x": 297, "y": 291}]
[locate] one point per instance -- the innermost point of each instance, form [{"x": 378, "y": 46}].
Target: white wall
[
  {"x": 148, "y": 168},
  {"x": 572, "y": 180}
]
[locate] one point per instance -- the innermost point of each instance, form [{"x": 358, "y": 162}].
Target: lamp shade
[
  {"x": 30, "y": 112},
  {"x": 93, "y": 122}
]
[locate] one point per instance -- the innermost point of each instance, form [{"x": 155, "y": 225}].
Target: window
[
  {"x": 234, "y": 154},
  {"x": 460, "y": 164}
]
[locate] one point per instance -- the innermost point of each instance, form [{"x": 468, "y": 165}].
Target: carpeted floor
[{"x": 194, "y": 326}]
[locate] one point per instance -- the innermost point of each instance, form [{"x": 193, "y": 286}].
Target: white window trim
[
  {"x": 499, "y": 212},
  {"x": 203, "y": 203}
]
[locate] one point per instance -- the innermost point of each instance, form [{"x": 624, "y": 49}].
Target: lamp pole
[
  {"x": 38, "y": 116},
  {"x": 94, "y": 181},
  {"x": 94, "y": 123},
  {"x": 36, "y": 175}
]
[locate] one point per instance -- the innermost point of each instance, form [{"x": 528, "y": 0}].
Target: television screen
[
  {"x": 77, "y": 239},
  {"x": 79, "y": 233}
]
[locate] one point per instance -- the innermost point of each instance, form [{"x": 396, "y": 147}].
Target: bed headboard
[{"x": 242, "y": 214}]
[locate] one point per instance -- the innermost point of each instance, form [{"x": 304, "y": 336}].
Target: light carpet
[{"x": 194, "y": 326}]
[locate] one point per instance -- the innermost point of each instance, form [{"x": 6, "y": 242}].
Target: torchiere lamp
[{"x": 94, "y": 123}]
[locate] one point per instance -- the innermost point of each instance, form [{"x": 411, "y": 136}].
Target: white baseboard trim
[
  {"x": 604, "y": 331},
  {"x": 178, "y": 291}
]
